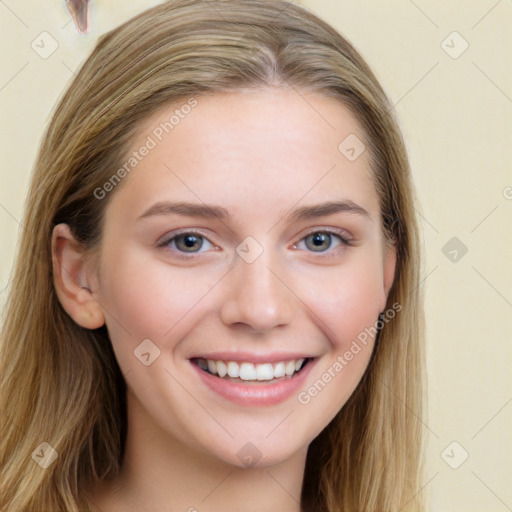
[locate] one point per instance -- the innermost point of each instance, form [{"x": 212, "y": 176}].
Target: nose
[{"x": 257, "y": 296}]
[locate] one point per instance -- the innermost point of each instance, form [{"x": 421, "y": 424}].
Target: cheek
[
  {"x": 348, "y": 299},
  {"x": 148, "y": 300},
  {"x": 348, "y": 309}
]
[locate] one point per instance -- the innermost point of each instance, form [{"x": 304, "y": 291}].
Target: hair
[{"x": 61, "y": 383}]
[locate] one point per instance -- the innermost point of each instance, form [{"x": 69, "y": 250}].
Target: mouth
[
  {"x": 246, "y": 383},
  {"x": 244, "y": 372}
]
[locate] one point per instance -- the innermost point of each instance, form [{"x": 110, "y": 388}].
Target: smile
[
  {"x": 253, "y": 383},
  {"x": 251, "y": 372}
]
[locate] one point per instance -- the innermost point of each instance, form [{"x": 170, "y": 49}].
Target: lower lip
[{"x": 255, "y": 394}]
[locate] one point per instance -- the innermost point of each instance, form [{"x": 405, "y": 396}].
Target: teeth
[
  {"x": 264, "y": 372},
  {"x": 221, "y": 369},
  {"x": 289, "y": 368},
  {"x": 250, "y": 371},
  {"x": 279, "y": 370},
  {"x": 233, "y": 369},
  {"x": 247, "y": 371}
]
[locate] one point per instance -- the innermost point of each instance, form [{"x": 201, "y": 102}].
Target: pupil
[
  {"x": 189, "y": 241},
  {"x": 320, "y": 239}
]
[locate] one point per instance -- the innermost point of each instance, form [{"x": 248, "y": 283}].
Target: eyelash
[{"x": 325, "y": 254}]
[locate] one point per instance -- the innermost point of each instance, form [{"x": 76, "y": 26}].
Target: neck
[{"x": 161, "y": 473}]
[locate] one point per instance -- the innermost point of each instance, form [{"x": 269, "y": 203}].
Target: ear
[
  {"x": 389, "y": 266},
  {"x": 71, "y": 279}
]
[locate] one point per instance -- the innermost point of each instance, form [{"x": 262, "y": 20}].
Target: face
[{"x": 244, "y": 241}]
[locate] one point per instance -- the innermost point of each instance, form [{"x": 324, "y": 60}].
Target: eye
[
  {"x": 192, "y": 242},
  {"x": 186, "y": 242},
  {"x": 321, "y": 241}
]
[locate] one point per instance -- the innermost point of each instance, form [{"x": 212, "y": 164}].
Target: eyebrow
[
  {"x": 209, "y": 211},
  {"x": 324, "y": 209}
]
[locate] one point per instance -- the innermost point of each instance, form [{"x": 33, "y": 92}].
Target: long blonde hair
[{"x": 61, "y": 384}]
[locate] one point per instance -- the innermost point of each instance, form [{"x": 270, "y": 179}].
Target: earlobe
[{"x": 70, "y": 279}]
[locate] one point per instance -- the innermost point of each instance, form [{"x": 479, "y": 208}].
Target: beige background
[{"x": 456, "y": 115}]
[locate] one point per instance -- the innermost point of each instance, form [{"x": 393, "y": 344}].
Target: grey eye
[
  {"x": 318, "y": 241},
  {"x": 188, "y": 242}
]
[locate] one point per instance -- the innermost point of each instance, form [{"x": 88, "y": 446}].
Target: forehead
[{"x": 262, "y": 149}]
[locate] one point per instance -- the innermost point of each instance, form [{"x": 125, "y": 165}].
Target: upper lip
[{"x": 249, "y": 357}]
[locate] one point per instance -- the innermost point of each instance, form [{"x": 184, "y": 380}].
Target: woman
[{"x": 216, "y": 302}]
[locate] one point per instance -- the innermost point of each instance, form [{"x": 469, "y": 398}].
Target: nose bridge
[{"x": 257, "y": 295}]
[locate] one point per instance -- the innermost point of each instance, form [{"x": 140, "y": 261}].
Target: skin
[{"x": 258, "y": 155}]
